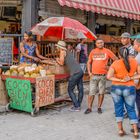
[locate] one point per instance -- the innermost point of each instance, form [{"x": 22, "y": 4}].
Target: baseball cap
[{"x": 125, "y": 35}]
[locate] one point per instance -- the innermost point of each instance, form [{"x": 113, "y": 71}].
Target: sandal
[
  {"x": 122, "y": 133},
  {"x": 136, "y": 136},
  {"x": 88, "y": 111},
  {"x": 99, "y": 111}
]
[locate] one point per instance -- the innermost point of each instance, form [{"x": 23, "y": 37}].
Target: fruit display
[{"x": 26, "y": 70}]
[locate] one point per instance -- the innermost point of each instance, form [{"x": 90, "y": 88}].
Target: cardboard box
[
  {"x": 3, "y": 94},
  {"x": 57, "y": 69}
]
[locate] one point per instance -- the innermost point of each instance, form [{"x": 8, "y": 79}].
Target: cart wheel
[
  {"x": 35, "y": 112},
  {"x": 8, "y": 108}
]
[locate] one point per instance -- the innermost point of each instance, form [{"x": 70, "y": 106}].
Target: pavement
[{"x": 63, "y": 124}]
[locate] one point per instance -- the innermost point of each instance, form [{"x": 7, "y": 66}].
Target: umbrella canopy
[
  {"x": 62, "y": 28},
  {"x": 135, "y": 36}
]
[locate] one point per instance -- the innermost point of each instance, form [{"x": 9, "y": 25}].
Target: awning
[{"x": 120, "y": 8}]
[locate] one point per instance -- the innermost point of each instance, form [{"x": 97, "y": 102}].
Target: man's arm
[
  {"x": 89, "y": 64},
  {"x": 89, "y": 67},
  {"x": 78, "y": 56},
  {"x": 78, "y": 49},
  {"x": 61, "y": 59}
]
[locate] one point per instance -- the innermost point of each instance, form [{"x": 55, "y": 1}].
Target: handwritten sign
[
  {"x": 44, "y": 91},
  {"x": 6, "y": 50},
  {"x": 19, "y": 92}
]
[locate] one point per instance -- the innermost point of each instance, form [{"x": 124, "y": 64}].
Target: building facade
[{"x": 111, "y": 17}]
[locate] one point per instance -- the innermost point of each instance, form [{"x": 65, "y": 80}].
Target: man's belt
[{"x": 99, "y": 74}]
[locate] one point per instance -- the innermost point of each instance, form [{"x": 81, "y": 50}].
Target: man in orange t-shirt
[{"x": 97, "y": 69}]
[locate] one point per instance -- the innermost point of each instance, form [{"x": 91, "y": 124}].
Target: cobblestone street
[{"x": 63, "y": 125}]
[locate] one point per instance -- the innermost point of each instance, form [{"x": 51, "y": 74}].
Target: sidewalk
[{"x": 64, "y": 125}]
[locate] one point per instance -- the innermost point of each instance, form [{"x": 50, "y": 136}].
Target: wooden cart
[{"x": 22, "y": 97}]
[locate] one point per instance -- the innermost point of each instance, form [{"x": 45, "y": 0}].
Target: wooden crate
[{"x": 63, "y": 88}]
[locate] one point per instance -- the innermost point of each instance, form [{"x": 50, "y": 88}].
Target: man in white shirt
[{"x": 137, "y": 48}]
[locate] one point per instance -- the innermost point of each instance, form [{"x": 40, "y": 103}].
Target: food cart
[
  {"x": 19, "y": 84},
  {"x": 30, "y": 99},
  {"x": 22, "y": 97}
]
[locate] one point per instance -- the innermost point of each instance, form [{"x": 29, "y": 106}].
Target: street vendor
[
  {"x": 29, "y": 50},
  {"x": 76, "y": 74}
]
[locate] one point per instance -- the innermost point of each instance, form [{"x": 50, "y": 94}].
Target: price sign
[
  {"x": 44, "y": 90},
  {"x": 6, "y": 50}
]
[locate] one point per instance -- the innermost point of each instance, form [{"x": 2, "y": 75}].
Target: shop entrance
[{"x": 10, "y": 16}]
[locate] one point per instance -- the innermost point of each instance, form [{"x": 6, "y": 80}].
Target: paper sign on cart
[
  {"x": 45, "y": 90},
  {"x": 19, "y": 92}
]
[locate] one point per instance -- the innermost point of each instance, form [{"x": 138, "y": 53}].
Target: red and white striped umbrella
[{"x": 62, "y": 28}]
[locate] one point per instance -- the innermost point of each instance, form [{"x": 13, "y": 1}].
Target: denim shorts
[
  {"x": 124, "y": 95},
  {"x": 97, "y": 85}
]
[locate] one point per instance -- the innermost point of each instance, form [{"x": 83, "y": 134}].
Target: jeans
[
  {"x": 76, "y": 79},
  {"x": 138, "y": 105},
  {"x": 138, "y": 99},
  {"x": 124, "y": 95}
]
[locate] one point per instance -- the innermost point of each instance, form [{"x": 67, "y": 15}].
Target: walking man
[
  {"x": 97, "y": 69},
  {"x": 76, "y": 74}
]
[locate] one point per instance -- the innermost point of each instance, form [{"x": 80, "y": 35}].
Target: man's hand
[{"x": 90, "y": 75}]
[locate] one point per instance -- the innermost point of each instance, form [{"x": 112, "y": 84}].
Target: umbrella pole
[{"x": 63, "y": 34}]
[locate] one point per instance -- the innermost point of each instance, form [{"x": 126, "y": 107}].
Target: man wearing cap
[
  {"x": 125, "y": 40},
  {"x": 76, "y": 74}
]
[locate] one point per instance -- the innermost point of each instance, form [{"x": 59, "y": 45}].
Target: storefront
[
  {"x": 10, "y": 16},
  {"x": 101, "y": 17},
  {"x": 121, "y": 15},
  {"x": 52, "y": 8},
  {"x": 109, "y": 18}
]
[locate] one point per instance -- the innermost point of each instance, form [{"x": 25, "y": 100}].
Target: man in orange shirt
[{"x": 97, "y": 69}]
